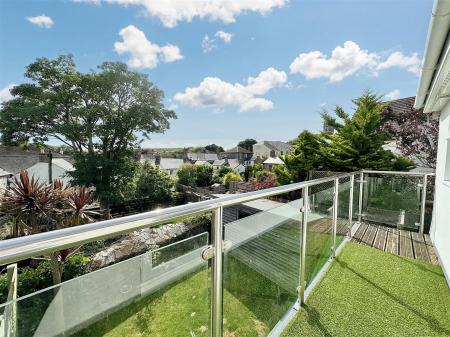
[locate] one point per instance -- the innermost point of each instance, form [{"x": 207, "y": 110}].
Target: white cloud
[
  {"x": 41, "y": 21},
  {"x": 171, "y": 12},
  {"x": 208, "y": 44},
  {"x": 214, "y": 92},
  {"x": 344, "y": 61},
  {"x": 347, "y": 60},
  {"x": 143, "y": 53},
  {"x": 226, "y": 37},
  {"x": 397, "y": 59},
  {"x": 5, "y": 94},
  {"x": 394, "y": 94}
]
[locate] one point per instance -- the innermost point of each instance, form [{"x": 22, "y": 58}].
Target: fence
[{"x": 267, "y": 260}]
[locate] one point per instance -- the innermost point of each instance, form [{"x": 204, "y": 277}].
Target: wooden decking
[{"x": 396, "y": 241}]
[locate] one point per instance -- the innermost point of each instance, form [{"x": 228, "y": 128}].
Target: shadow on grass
[
  {"x": 431, "y": 321},
  {"x": 314, "y": 319}
]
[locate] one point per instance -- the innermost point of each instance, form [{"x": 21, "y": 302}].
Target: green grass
[
  {"x": 368, "y": 292},
  {"x": 252, "y": 306}
]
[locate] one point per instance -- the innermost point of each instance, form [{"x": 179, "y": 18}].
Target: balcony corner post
[
  {"x": 303, "y": 232},
  {"x": 217, "y": 274},
  {"x": 350, "y": 206},
  {"x": 361, "y": 191},
  {"x": 335, "y": 213},
  {"x": 423, "y": 204}
]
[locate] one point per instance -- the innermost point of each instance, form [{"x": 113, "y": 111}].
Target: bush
[
  {"x": 187, "y": 175},
  {"x": 220, "y": 173},
  {"x": 204, "y": 175},
  {"x": 31, "y": 279},
  {"x": 263, "y": 175},
  {"x": 231, "y": 177},
  {"x": 153, "y": 184}
]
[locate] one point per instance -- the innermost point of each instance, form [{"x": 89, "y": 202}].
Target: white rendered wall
[{"x": 440, "y": 229}]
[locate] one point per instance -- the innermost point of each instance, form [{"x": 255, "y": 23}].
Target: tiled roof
[
  {"x": 273, "y": 161},
  {"x": 237, "y": 149},
  {"x": 202, "y": 156},
  {"x": 402, "y": 104},
  {"x": 276, "y": 145}
]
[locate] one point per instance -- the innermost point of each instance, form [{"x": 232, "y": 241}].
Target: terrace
[{"x": 288, "y": 270}]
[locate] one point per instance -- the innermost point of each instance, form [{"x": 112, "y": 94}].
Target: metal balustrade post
[
  {"x": 304, "y": 231},
  {"x": 423, "y": 204},
  {"x": 360, "y": 201},
  {"x": 350, "y": 206},
  {"x": 335, "y": 213},
  {"x": 217, "y": 274}
]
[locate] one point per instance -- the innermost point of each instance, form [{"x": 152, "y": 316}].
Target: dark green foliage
[
  {"x": 220, "y": 173},
  {"x": 112, "y": 177},
  {"x": 204, "y": 175},
  {"x": 195, "y": 175},
  {"x": 214, "y": 148},
  {"x": 99, "y": 115},
  {"x": 305, "y": 156},
  {"x": 358, "y": 142},
  {"x": 153, "y": 184},
  {"x": 34, "y": 279},
  {"x": 247, "y": 144}
]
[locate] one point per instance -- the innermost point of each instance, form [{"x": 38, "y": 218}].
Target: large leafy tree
[
  {"x": 154, "y": 184},
  {"x": 247, "y": 144},
  {"x": 359, "y": 139},
  {"x": 100, "y": 115}
]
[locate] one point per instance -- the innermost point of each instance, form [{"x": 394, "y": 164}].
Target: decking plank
[
  {"x": 369, "y": 236},
  {"x": 420, "y": 249},
  {"x": 406, "y": 248},
  {"x": 380, "y": 238},
  {"x": 430, "y": 249},
  {"x": 360, "y": 232},
  {"x": 392, "y": 241}
]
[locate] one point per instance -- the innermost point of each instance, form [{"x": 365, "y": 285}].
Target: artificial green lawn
[{"x": 368, "y": 292}]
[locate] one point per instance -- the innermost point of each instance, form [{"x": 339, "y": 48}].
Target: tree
[
  {"x": 359, "y": 139},
  {"x": 247, "y": 144},
  {"x": 304, "y": 157},
  {"x": 214, "y": 148},
  {"x": 204, "y": 175},
  {"x": 415, "y": 133},
  {"x": 187, "y": 175},
  {"x": 99, "y": 115},
  {"x": 153, "y": 184}
]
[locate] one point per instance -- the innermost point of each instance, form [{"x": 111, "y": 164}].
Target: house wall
[
  {"x": 40, "y": 170},
  {"x": 440, "y": 228}
]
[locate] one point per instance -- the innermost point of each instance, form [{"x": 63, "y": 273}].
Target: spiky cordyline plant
[{"x": 35, "y": 207}]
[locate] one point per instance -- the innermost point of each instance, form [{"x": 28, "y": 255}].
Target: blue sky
[{"x": 268, "y": 80}]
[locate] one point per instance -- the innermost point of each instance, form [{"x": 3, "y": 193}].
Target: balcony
[{"x": 289, "y": 269}]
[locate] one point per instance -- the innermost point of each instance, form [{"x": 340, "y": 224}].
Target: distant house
[
  {"x": 169, "y": 165},
  {"x": 271, "y": 162},
  {"x": 4, "y": 178},
  {"x": 202, "y": 156},
  {"x": 244, "y": 156},
  {"x": 236, "y": 166},
  {"x": 36, "y": 162},
  {"x": 201, "y": 162},
  {"x": 266, "y": 149},
  {"x": 219, "y": 163}
]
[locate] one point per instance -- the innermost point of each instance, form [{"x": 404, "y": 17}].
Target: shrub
[
  {"x": 230, "y": 177},
  {"x": 153, "y": 184},
  {"x": 263, "y": 175},
  {"x": 204, "y": 175},
  {"x": 187, "y": 175},
  {"x": 220, "y": 173}
]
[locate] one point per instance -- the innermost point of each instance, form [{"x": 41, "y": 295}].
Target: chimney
[{"x": 157, "y": 159}]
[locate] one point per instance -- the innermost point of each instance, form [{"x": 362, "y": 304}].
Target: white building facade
[{"x": 434, "y": 96}]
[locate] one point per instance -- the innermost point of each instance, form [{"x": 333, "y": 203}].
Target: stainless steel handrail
[
  {"x": 399, "y": 173},
  {"x": 14, "y": 250}
]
